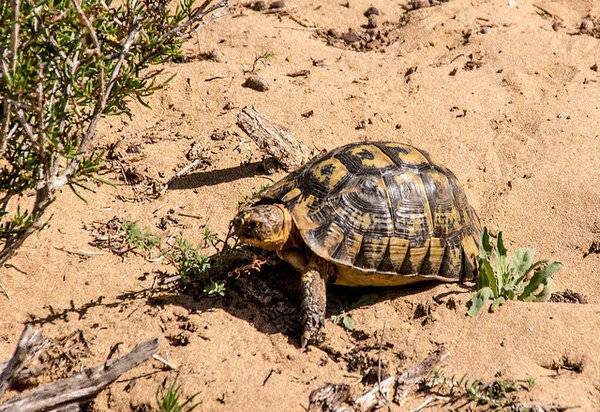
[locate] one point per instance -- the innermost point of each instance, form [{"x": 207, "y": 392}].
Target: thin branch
[
  {"x": 15, "y": 34},
  {"x": 197, "y": 17},
  {"x": 7, "y": 109},
  {"x": 88, "y": 24},
  {"x": 25, "y": 124},
  {"x": 81, "y": 386},
  {"x": 60, "y": 181},
  {"x": 94, "y": 36},
  {"x": 28, "y": 347}
]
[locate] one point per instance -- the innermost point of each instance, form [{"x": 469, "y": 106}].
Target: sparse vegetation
[
  {"x": 138, "y": 238},
  {"x": 497, "y": 394},
  {"x": 502, "y": 278},
  {"x": 188, "y": 259},
  {"x": 260, "y": 59},
  {"x": 170, "y": 397},
  {"x": 344, "y": 319},
  {"x": 66, "y": 64}
]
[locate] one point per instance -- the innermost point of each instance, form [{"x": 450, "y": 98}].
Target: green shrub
[
  {"x": 502, "y": 278},
  {"x": 64, "y": 64}
]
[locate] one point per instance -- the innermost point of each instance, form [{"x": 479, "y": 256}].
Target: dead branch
[
  {"x": 81, "y": 386},
  {"x": 273, "y": 140},
  {"x": 335, "y": 398},
  {"x": 29, "y": 345}
]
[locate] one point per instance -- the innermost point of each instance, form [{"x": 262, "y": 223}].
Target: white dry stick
[{"x": 272, "y": 139}]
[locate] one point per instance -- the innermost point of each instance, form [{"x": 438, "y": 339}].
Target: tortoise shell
[{"x": 382, "y": 208}]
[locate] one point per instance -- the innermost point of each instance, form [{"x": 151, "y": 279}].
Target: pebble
[
  {"x": 373, "y": 21},
  {"x": 419, "y": 4},
  {"x": 256, "y": 83},
  {"x": 259, "y": 6},
  {"x": 587, "y": 25},
  {"x": 350, "y": 37},
  {"x": 564, "y": 115},
  {"x": 277, "y": 5},
  {"x": 371, "y": 11}
]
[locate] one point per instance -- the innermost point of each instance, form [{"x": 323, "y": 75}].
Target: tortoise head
[{"x": 264, "y": 226}]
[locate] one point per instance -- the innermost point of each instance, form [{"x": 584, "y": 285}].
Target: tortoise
[{"x": 364, "y": 214}]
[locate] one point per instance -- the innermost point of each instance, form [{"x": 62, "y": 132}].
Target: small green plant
[
  {"x": 189, "y": 260},
  {"x": 138, "y": 238},
  {"x": 260, "y": 58},
  {"x": 169, "y": 398},
  {"x": 502, "y": 278},
  {"x": 344, "y": 319},
  {"x": 498, "y": 394},
  {"x": 215, "y": 288},
  {"x": 64, "y": 65}
]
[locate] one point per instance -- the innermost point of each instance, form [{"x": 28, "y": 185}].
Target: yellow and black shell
[{"x": 384, "y": 213}]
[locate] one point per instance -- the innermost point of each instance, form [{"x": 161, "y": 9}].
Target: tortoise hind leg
[{"x": 313, "y": 295}]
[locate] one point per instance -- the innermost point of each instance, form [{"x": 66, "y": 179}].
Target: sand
[{"x": 493, "y": 91}]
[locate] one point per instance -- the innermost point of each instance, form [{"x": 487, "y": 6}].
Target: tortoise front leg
[{"x": 313, "y": 295}]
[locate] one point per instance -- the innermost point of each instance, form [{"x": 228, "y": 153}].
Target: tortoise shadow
[
  {"x": 270, "y": 300},
  {"x": 215, "y": 177}
]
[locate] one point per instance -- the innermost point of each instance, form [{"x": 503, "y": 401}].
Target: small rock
[
  {"x": 587, "y": 25},
  {"x": 350, "y": 37},
  {"x": 228, "y": 106},
  {"x": 594, "y": 67},
  {"x": 258, "y": 5},
  {"x": 373, "y": 22},
  {"x": 556, "y": 25},
  {"x": 485, "y": 30},
  {"x": 419, "y": 4},
  {"x": 215, "y": 56},
  {"x": 277, "y": 5},
  {"x": 256, "y": 83},
  {"x": 333, "y": 33},
  {"x": 563, "y": 115},
  {"x": 308, "y": 113},
  {"x": 218, "y": 136},
  {"x": 371, "y": 11},
  {"x": 299, "y": 73}
]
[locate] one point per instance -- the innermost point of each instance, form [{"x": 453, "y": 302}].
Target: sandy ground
[{"x": 506, "y": 101}]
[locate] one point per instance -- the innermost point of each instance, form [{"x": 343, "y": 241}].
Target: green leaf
[
  {"x": 521, "y": 261},
  {"x": 541, "y": 278},
  {"x": 497, "y": 303},
  {"x": 348, "y": 322},
  {"x": 487, "y": 277},
  {"x": 500, "y": 245},
  {"x": 479, "y": 299},
  {"x": 485, "y": 248}
]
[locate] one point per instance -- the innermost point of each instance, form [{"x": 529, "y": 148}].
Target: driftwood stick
[
  {"x": 81, "y": 386},
  {"x": 405, "y": 383},
  {"x": 409, "y": 379},
  {"x": 71, "y": 407},
  {"x": 273, "y": 140},
  {"x": 28, "y": 347},
  {"x": 336, "y": 398}
]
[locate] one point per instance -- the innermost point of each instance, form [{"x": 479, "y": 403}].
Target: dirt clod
[
  {"x": 371, "y": 11},
  {"x": 257, "y": 83},
  {"x": 258, "y": 5},
  {"x": 568, "y": 296},
  {"x": 277, "y": 5},
  {"x": 350, "y": 37},
  {"x": 419, "y": 4}
]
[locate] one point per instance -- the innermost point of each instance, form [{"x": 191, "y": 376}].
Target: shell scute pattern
[{"x": 382, "y": 207}]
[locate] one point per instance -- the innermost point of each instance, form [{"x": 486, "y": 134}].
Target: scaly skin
[{"x": 313, "y": 304}]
